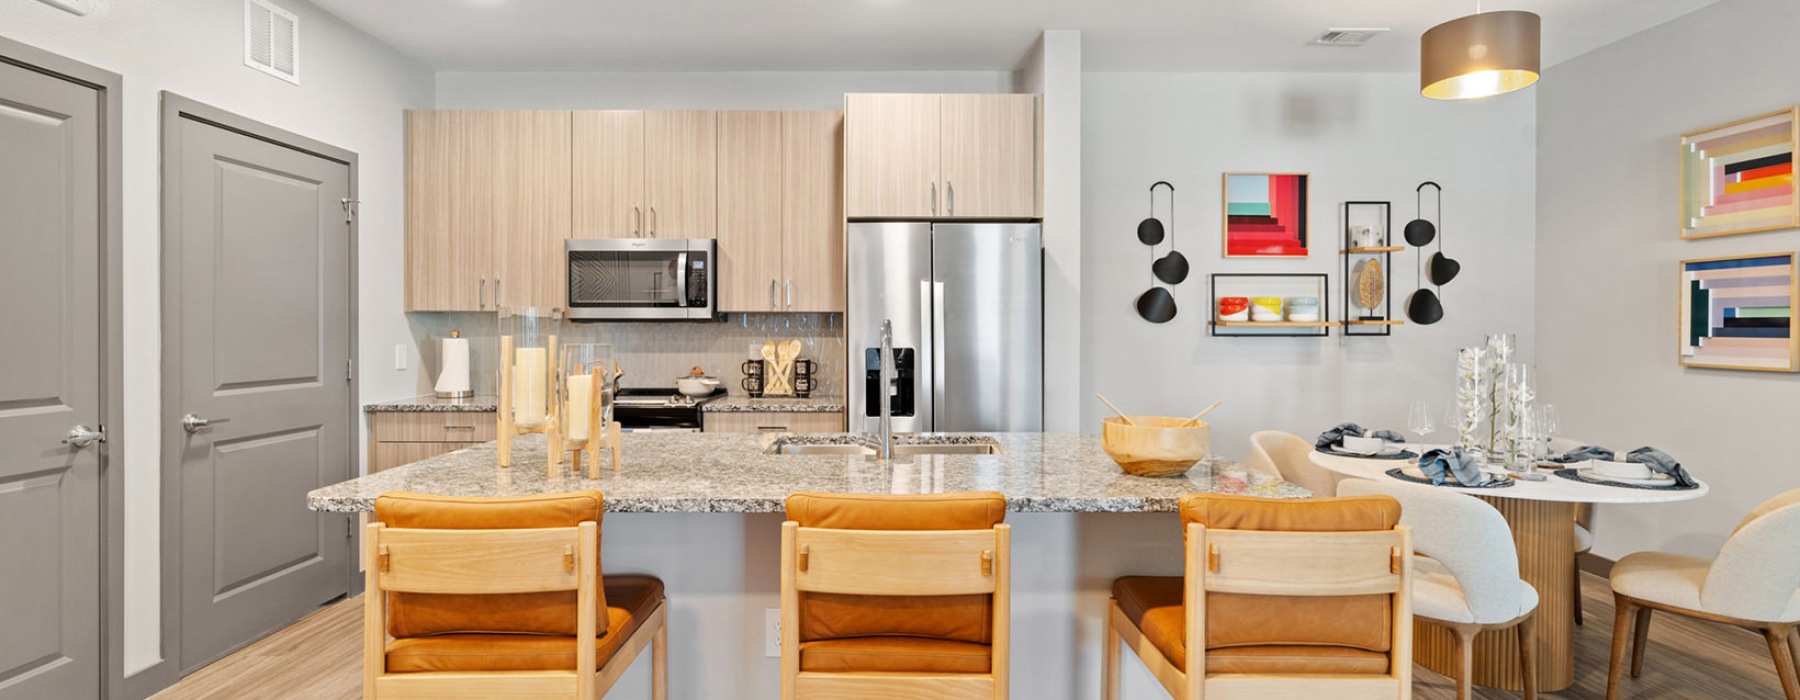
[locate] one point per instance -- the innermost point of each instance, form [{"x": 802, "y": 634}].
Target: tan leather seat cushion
[
  {"x": 1282, "y": 627},
  {"x": 964, "y": 618},
  {"x": 1153, "y": 604},
  {"x": 633, "y": 597},
  {"x": 895, "y": 654},
  {"x": 554, "y": 613}
]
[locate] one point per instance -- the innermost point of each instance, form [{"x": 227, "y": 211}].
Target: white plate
[{"x": 1654, "y": 480}]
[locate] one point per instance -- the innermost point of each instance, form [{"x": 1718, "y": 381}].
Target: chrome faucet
[{"x": 886, "y": 381}]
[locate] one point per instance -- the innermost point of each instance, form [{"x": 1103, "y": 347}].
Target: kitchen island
[{"x": 702, "y": 511}]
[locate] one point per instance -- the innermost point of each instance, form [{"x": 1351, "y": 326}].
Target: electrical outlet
[
  {"x": 772, "y": 633},
  {"x": 400, "y": 356}
]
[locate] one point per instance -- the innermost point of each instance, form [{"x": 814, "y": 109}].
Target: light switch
[{"x": 400, "y": 355}]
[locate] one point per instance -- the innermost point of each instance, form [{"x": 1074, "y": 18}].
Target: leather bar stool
[
  {"x": 895, "y": 596},
  {"x": 501, "y": 597},
  {"x": 1302, "y": 598}
]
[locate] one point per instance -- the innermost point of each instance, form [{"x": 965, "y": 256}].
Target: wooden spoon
[
  {"x": 1115, "y": 409},
  {"x": 1196, "y": 419}
]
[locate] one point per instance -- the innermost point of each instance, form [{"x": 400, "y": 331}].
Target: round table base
[{"x": 1544, "y": 532}]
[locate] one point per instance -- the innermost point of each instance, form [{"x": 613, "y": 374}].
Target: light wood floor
[{"x": 320, "y": 658}]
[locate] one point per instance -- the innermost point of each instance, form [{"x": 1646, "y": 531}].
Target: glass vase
[
  {"x": 1470, "y": 392},
  {"x": 1521, "y": 392},
  {"x": 527, "y": 400}
]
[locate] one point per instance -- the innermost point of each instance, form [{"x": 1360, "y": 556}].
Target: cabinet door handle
[
  {"x": 772, "y": 304},
  {"x": 653, "y": 222},
  {"x": 496, "y": 292},
  {"x": 637, "y": 222},
  {"x": 481, "y": 294},
  {"x": 790, "y": 300},
  {"x": 934, "y": 198},
  {"x": 950, "y": 196}
]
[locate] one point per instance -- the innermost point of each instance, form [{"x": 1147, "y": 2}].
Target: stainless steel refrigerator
[{"x": 967, "y": 304}]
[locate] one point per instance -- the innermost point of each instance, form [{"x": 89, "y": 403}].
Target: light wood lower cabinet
[
  {"x": 403, "y": 438},
  {"x": 774, "y": 422}
]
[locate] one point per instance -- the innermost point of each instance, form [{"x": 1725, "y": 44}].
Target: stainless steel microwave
[{"x": 642, "y": 279}]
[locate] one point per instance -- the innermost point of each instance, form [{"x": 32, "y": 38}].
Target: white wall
[
  {"x": 1053, "y": 69},
  {"x": 1362, "y": 137},
  {"x": 351, "y": 95},
  {"x": 1608, "y": 254},
  {"x": 735, "y": 90}
]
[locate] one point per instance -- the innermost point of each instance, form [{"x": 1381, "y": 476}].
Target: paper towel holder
[{"x": 453, "y": 387}]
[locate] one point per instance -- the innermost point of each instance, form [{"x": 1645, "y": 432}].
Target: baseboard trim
[
  {"x": 151, "y": 680},
  {"x": 1595, "y": 564}
]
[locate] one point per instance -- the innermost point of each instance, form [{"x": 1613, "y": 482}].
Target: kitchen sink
[{"x": 911, "y": 447}]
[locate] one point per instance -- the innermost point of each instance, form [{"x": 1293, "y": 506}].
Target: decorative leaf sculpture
[{"x": 1371, "y": 285}]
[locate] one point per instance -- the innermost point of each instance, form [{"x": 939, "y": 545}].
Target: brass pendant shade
[{"x": 1480, "y": 55}]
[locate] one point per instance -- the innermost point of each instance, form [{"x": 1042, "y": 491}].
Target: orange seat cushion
[
  {"x": 552, "y": 613},
  {"x": 1344, "y": 514},
  {"x": 895, "y": 654},
  {"x": 960, "y": 618},
  {"x": 632, "y": 599},
  {"x": 1153, "y": 604}
]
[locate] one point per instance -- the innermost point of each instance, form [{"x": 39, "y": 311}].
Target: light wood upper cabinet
[
  {"x": 989, "y": 160},
  {"x": 941, "y": 156},
  {"x": 609, "y": 174},
  {"x": 533, "y": 206},
  {"x": 781, "y": 235},
  {"x": 891, "y": 155},
  {"x": 812, "y": 179},
  {"x": 449, "y": 213},
  {"x": 750, "y": 210},
  {"x": 681, "y": 151}
]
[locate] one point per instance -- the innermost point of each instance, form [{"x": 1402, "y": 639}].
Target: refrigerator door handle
[
  {"x": 938, "y": 399},
  {"x": 926, "y": 366}
]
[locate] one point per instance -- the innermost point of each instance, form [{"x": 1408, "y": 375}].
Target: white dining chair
[
  {"x": 1753, "y": 583},
  {"x": 1467, "y": 579},
  {"x": 1286, "y": 455}
]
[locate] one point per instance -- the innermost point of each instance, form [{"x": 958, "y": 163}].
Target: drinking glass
[
  {"x": 1546, "y": 423},
  {"x": 1418, "y": 419}
]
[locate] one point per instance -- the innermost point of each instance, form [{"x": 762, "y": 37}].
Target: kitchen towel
[
  {"x": 1336, "y": 435},
  {"x": 454, "y": 355},
  {"x": 1442, "y": 463}
]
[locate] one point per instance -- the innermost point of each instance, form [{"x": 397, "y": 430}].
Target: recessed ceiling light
[{"x": 1346, "y": 36}]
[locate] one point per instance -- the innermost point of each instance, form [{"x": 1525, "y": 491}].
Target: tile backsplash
[{"x": 652, "y": 354}]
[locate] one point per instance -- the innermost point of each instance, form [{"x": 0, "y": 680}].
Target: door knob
[
  {"x": 193, "y": 423},
  {"x": 82, "y": 436}
]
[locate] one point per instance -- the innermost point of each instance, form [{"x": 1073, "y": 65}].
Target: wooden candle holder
[
  {"x": 509, "y": 427},
  {"x": 598, "y": 437}
]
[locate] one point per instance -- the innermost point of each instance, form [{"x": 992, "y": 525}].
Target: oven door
[{"x": 639, "y": 279}]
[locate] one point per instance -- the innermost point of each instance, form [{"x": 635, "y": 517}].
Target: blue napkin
[
  {"x": 1661, "y": 463},
  {"x": 1441, "y": 463},
  {"x": 1336, "y": 435},
  {"x": 1583, "y": 454}
]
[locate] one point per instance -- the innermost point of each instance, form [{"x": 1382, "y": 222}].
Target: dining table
[{"x": 1541, "y": 515}]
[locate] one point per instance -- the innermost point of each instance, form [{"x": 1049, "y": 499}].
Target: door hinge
[
  {"x": 349, "y": 370},
  {"x": 350, "y": 208}
]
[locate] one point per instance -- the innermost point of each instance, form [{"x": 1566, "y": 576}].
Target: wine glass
[
  {"x": 1546, "y": 423},
  {"x": 1418, "y": 419}
]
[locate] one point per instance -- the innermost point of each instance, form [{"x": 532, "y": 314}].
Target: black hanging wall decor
[
  {"x": 1425, "y": 306},
  {"x": 1157, "y": 305}
]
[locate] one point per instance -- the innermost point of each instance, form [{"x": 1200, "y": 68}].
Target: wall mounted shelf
[
  {"x": 1368, "y": 227},
  {"x": 1273, "y": 324},
  {"x": 1284, "y": 286}
]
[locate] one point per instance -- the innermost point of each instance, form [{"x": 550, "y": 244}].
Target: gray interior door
[
  {"x": 49, "y": 382},
  {"x": 262, "y": 301},
  {"x": 989, "y": 370}
]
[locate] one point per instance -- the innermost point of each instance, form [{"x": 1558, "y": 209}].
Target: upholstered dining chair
[
  {"x": 1287, "y": 455},
  {"x": 501, "y": 598},
  {"x": 1305, "y": 598},
  {"x": 1468, "y": 579},
  {"x": 1754, "y": 583},
  {"x": 888, "y": 596}
]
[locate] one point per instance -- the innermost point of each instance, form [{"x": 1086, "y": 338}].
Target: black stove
[{"x": 645, "y": 409}]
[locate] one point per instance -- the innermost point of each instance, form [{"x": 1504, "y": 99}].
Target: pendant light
[{"x": 1481, "y": 55}]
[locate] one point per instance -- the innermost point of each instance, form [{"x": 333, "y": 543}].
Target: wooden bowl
[{"x": 1156, "y": 445}]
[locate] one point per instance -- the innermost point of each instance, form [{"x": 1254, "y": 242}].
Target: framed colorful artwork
[
  {"x": 1739, "y": 177},
  {"x": 1265, "y": 215},
  {"x": 1738, "y": 313}
]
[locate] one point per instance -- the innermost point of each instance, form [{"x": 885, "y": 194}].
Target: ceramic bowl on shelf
[
  {"x": 1156, "y": 445},
  {"x": 1269, "y": 304},
  {"x": 1234, "y": 308}
]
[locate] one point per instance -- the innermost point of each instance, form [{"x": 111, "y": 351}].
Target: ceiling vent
[
  {"x": 1345, "y": 37},
  {"x": 272, "y": 40}
]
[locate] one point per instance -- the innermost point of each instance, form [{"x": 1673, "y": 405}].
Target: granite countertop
[
  {"x": 744, "y": 404},
  {"x": 729, "y": 473},
  {"x": 729, "y": 404},
  {"x": 431, "y": 404}
]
